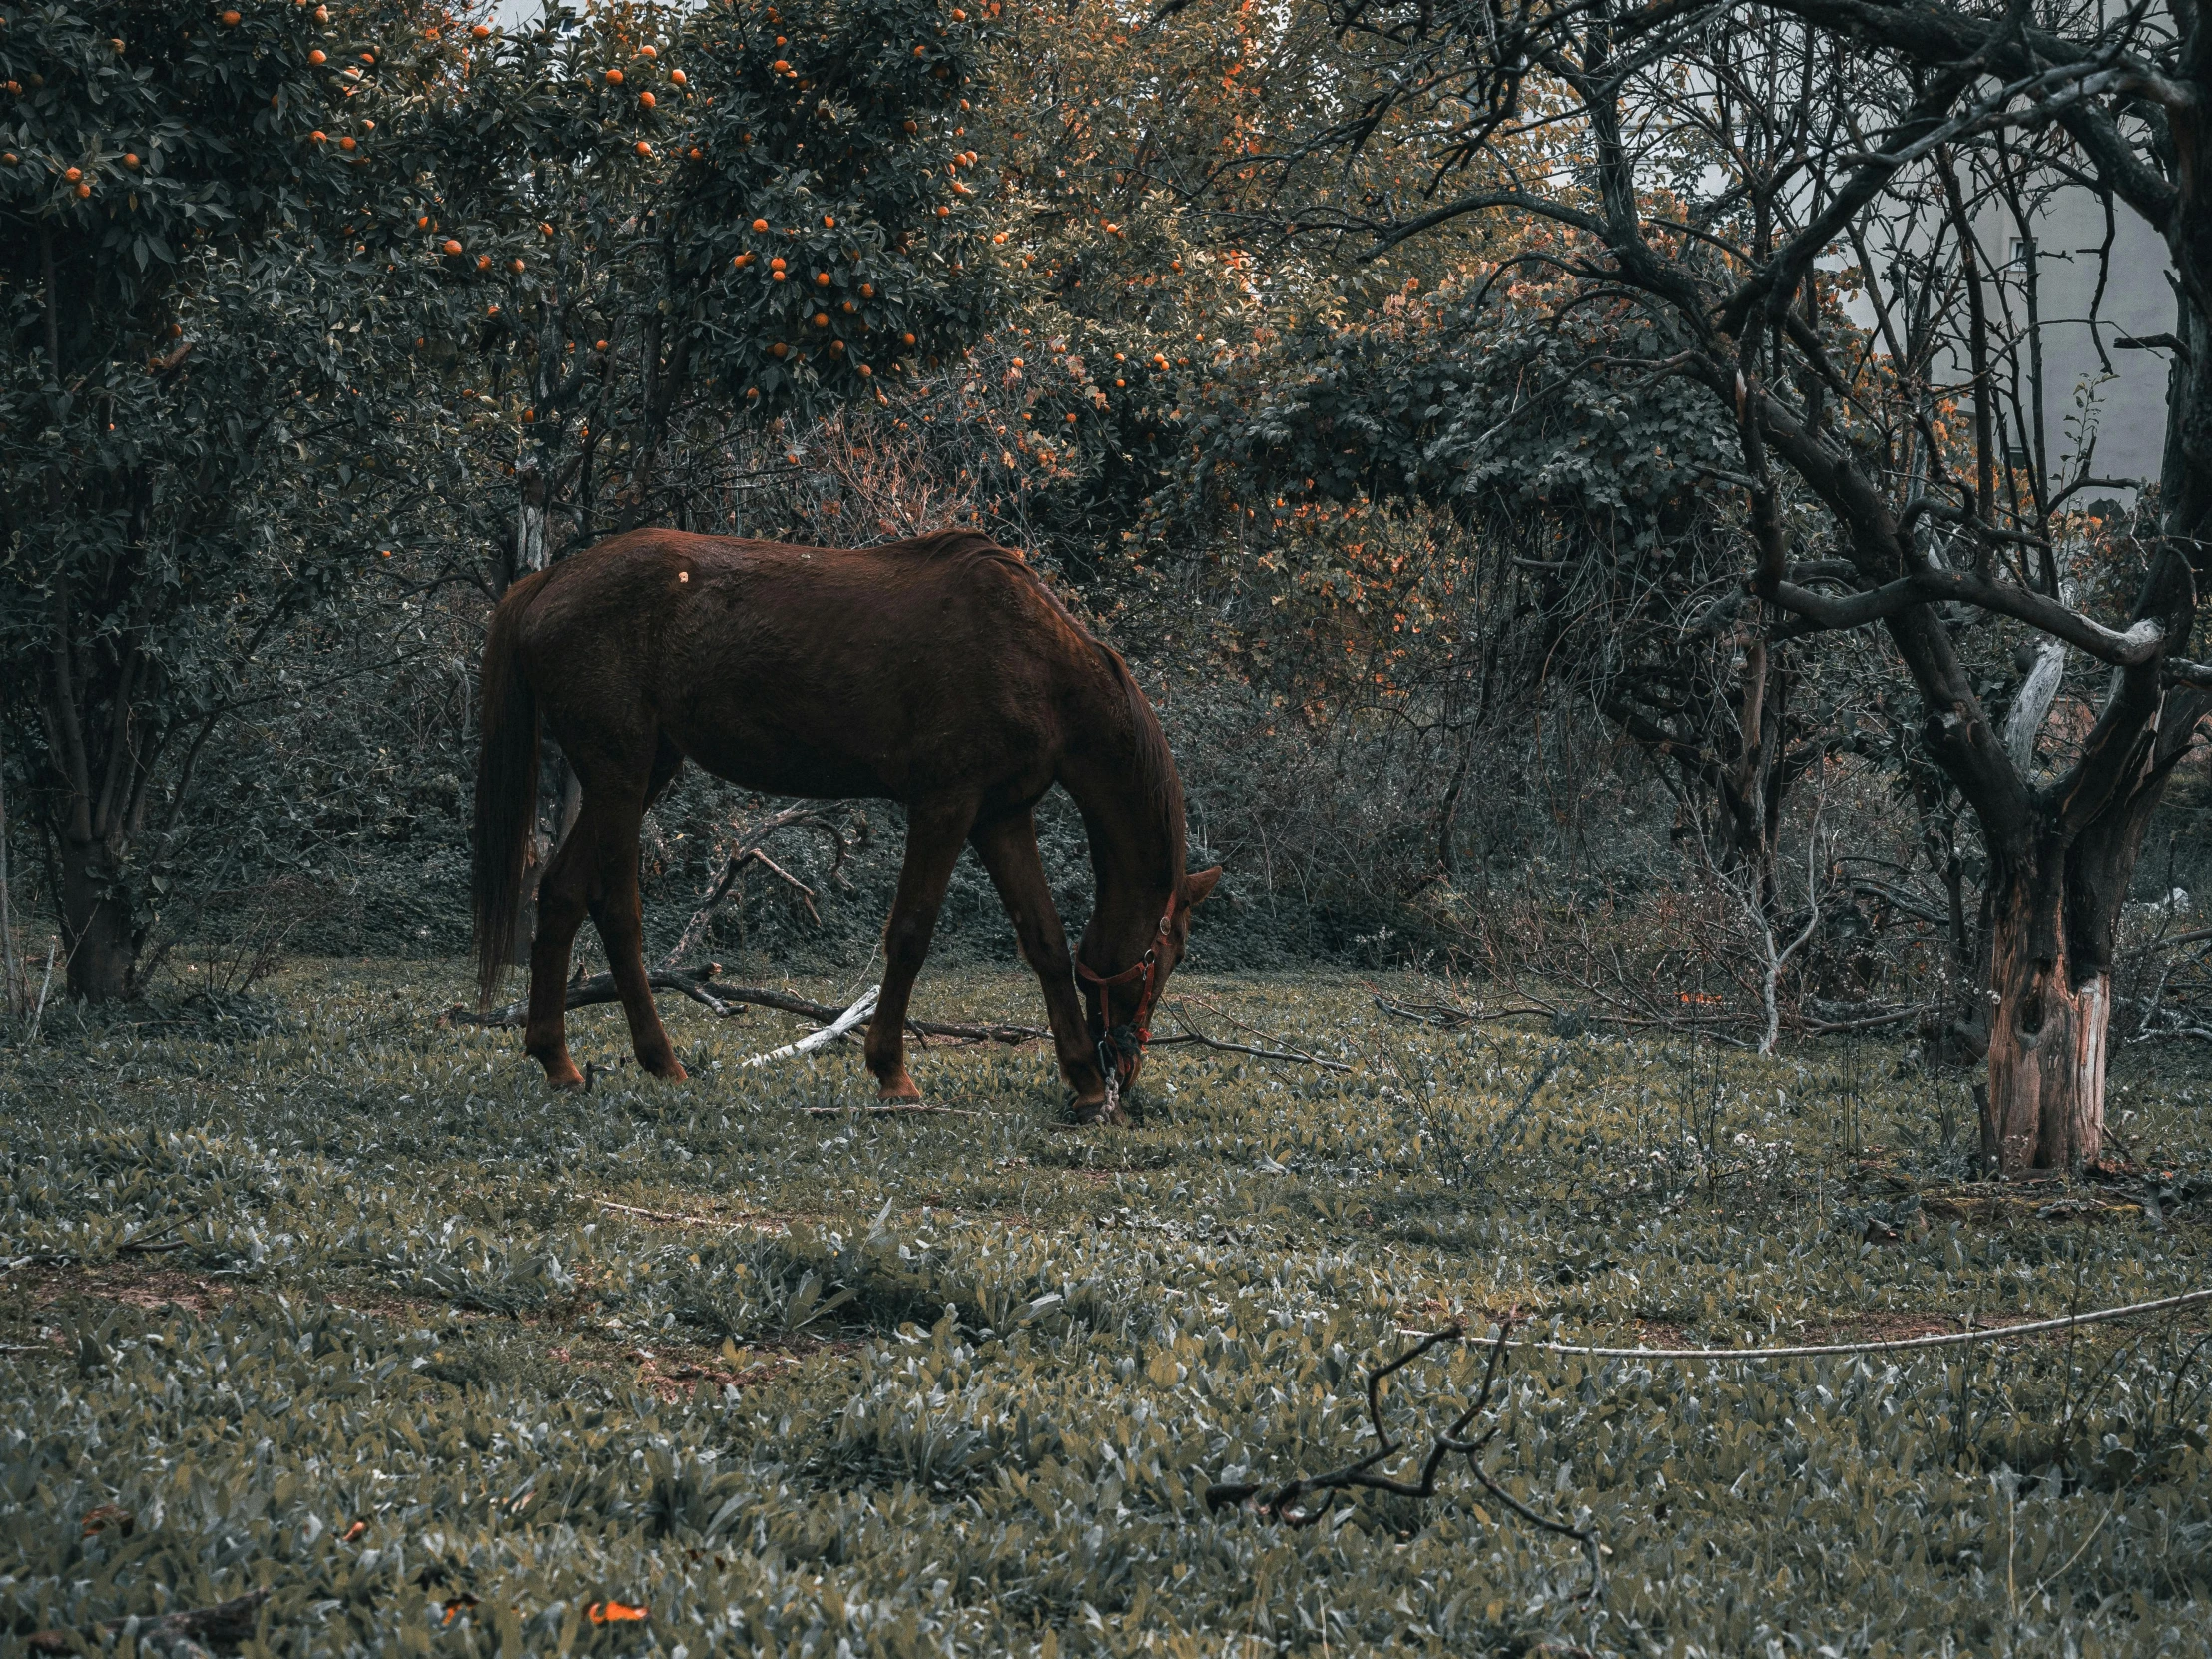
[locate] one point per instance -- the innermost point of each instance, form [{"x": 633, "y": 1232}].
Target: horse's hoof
[
  {"x": 1082, "y": 1112},
  {"x": 899, "y": 1091},
  {"x": 672, "y": 1073},
  {"x": 573, "y": 1083}
]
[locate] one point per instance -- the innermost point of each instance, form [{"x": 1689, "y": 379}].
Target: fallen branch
[
  {"x": 1284, "y": 1502},
  {"x": 829, "y": 1033},
  {"x": 726, "y": 1001},
  {"x": 227, "y": 1623},
  {"x": 748, "y": 851}
]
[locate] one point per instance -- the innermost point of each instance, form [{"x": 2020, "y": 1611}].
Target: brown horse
[{"x": 941, "y": 672}]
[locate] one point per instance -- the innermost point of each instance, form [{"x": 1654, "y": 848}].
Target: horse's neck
[{"x": 1134, "y": 858}]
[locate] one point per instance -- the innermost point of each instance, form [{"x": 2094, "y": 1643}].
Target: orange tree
[
  {"x": 207, "y": 303},
  {"x": 687, "y": 225}
]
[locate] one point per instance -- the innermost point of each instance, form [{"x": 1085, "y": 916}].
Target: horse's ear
[{"x": 1198, "y": 884}]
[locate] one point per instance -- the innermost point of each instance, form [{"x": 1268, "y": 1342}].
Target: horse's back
[{"x": 901, "y": 670}]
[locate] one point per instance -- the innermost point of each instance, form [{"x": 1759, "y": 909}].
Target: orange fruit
[
  {"x": 230, "y": 20},
  {"x": 760, "y": 225},
  {"x": 822, "y": 278},
  {"x": 828, "y": 222},
  {"x": 346, "y": 143},
  {"x": 482, "y": 31},
  {"x": 868, "y": 290},
  {"x": 779, "y": 350},
  {"x": 318, "y": 57},
  {"x": 646, "y": 98},
  {"x": 483, "y": 262},
  {"x": 600, "y": 347},
  {"x": 514, "y": 264},
  {"x": 644, "y": 149},
  {"x": 821, "y": 319},
  {"x": 84, "y": 191},
  {"x": 451, "y": 246},
  {"x": 864, "y": 369},
  {"x": 130, "y": 158},
  {"x": 73, "y": 173},
  {"x": 908, "y": 338},
  {"x": 741, "y": 260},
  {"x": 614, "y": 76},
  {"x": 677, "y": 75}
]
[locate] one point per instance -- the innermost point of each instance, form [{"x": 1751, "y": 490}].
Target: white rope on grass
[{"x": 1949, "y": 1338}]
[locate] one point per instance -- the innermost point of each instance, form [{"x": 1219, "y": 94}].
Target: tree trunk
[
  {"x": 2051, "y": 988},
  {"x": 97, "y": 934}
]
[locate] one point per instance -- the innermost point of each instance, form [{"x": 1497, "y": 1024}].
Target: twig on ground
[
  {"x": 893, "y": 1108},
  {"x": 673, "y": 1218},
  {"x": 1192, "y": 1034},
  {"x": 1890, "y": 1345},
  {"x": 1284, "y": 1504},
  {"x": 154, "y": 1243}
]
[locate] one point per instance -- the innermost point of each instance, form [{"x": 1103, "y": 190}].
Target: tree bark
[
  {"x": 98, "y": 937},
  {"x": 2044, "y": 1107}
]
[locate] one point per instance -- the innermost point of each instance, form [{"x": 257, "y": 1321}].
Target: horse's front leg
[
  {"x": 935, "y": 830},
  {"x": 1009, "y": 848}
]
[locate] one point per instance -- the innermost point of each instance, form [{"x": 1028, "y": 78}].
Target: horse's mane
[{"x": 1160, "y": 786}]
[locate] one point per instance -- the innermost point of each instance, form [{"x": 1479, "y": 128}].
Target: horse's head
[{"x": 1119, "y": 1004}]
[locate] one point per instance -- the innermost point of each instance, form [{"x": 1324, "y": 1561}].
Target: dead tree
[{"x": 1708, "y": 159}]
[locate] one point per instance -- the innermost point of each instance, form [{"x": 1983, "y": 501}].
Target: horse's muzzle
[{"x": 1121, "y": 1052}]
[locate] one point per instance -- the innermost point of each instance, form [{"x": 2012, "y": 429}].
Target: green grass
[{"x": 332, "y": 1300}]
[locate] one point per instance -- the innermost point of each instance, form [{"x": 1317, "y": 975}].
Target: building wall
[{"x": 2129, "y": 396}]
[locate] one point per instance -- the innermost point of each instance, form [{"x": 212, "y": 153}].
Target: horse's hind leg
[
  {"x": 612, "y": 817},
  {"x": 935, "y": 831},
  {"x": 563, "y": 892}
]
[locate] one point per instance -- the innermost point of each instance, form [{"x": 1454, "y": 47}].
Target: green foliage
[
  {"x": 899, "y": 1382},
  {"x": 205, "y": 398}
]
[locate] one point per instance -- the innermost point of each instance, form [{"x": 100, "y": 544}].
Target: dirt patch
[
  {"x": 1881, "y": 1328},
  {"x": 136, "y": 1283}
]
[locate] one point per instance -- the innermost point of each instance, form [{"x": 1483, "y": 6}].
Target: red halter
[{"x": 1110, "y": 1053}]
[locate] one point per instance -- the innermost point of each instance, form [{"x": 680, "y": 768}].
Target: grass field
[{"x": 319, "y": 1298}]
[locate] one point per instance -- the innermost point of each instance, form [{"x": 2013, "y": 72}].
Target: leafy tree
[{"x": 205, "y": 301}]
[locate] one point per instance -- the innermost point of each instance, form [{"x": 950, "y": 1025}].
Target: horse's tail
[{"x": 506, "y": 790}]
